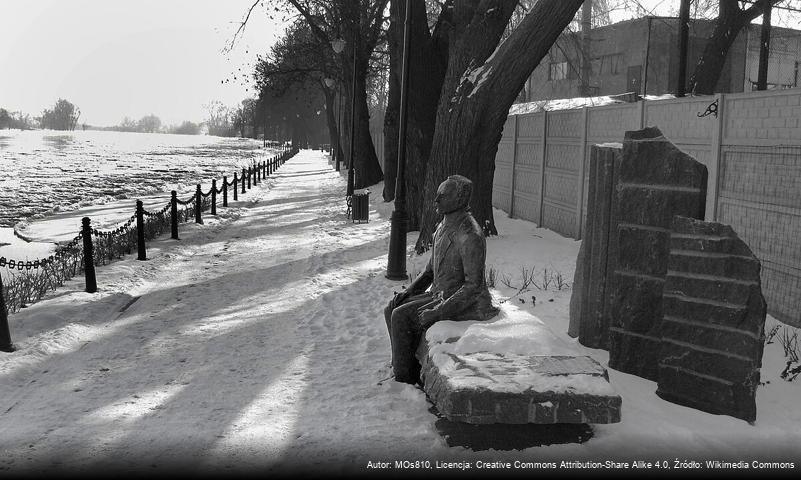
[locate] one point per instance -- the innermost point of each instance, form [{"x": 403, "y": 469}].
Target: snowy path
[{"x": 246, "y": 344}]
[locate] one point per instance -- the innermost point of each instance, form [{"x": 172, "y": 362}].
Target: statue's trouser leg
[{"x": 405, "y": 332}]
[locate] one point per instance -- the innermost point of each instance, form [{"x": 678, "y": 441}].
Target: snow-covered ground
[{"x": 257, "y": 342}]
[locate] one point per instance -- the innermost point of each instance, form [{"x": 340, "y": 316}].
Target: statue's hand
[
  {"x": 399, "y": 298},
  {"x": 428, "y": 317}
]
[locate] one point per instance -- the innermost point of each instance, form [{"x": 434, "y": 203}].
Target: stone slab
[
  {"x": 656, "y": 182},
  {"x": 514, "y": 370},
  {"x": 712, "y": 334},
  {"x": 587, "y": 319}
]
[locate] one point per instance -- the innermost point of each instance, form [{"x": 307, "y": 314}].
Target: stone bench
[{"x": 512, "y": 369}]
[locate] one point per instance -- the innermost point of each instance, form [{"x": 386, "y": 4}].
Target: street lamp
[
  {"x": 329, "y": 82},
  {"x": 338, "y": 45},
  {"x": 396, "y": 258}
]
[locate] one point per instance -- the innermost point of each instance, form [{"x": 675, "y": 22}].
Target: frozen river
[{"x": 47, "y": 171}]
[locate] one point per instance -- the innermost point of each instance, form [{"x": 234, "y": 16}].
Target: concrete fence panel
[
  {"x": 527, "y": 203},
  {"x": 564, "y": 153},
  {"x": 502, "y": 181}
]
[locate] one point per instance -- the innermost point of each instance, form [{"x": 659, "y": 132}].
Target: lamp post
[
  {"x": 329, "y": 82},
  {"x": 339, "y": 45},
  {"x": 339, "y": 129},
  {"x": 396, "y": 258}
]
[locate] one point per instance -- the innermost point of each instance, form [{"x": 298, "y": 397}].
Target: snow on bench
[{"x": 512, "y": 369}]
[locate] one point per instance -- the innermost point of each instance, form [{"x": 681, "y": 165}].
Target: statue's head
[{"x": 453, "y": 194}]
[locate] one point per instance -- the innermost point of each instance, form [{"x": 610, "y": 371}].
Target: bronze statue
[{"x": 455, "y": 273}]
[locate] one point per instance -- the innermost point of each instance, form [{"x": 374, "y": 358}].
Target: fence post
[
  {"x": 243, "y": 180},
  {"x": 543, "y": 164},
  {"x": 235, "y": 185},
  {"x": 581, "y": 175},
  {"x": 214, "y": 196},
  {"x": 263, "y": 168},
  {"x": 198, "y": 205},
  {"x": 5, "y": 333},
  {"x": 249, "y": 173},
  {"x": 174, "y": 213},
  {"x": 225, "y": 191},
  {"x": 514, "y": 167},
  {"x": 713, "y": 180},
  {"x": 88, "y": 256},
  {"x": 140, "y": 231},
  {"x": 257, "y": 167}
]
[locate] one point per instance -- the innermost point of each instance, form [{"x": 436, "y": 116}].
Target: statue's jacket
[{"x": 456, "y": 269}]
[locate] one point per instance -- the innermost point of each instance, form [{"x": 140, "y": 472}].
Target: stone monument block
[
  {"x": 512, "y": 370},
  {"x": 713, "y": 321},
  {"x": 655, "y": 181},
  {"x": 587, "y": 319}
]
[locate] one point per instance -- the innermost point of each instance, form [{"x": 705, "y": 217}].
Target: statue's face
[{"x": 447, "y": 199}]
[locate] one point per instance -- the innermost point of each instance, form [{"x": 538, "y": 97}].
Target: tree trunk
[
  {"x": 427, "y": 72},
  {"x": 367, "y": 169},
  {"x": 731, "y": 19},
  {"x": 331, "y": 120},
  {"x": 480, "y": 86}
]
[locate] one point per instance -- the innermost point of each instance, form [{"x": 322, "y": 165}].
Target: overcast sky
[{"x": 115, "y": 58}]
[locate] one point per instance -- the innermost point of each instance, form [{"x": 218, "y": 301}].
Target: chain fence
[{"x": 28, "y": 281}]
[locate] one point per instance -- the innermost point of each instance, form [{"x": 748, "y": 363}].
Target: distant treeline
[
  {"x": 222, "y": 121},
  {"x": 152, "y": 124}
]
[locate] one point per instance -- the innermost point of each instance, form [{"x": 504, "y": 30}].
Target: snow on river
[{"x": 46, "y": 171}]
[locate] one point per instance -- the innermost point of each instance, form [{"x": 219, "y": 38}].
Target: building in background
[{"x": 640, "y": 56}]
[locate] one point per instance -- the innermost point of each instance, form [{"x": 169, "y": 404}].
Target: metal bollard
[
  {"x": 235, "y": 186},
  {"x": 174, "y": 213},
  {"x": 243, "y": 180},
  {"x": 88, "y": 256},
  {"x": 225, "y": 191},
  {"x": 214, "y": 196},
  {"x": 140, "y": 231},
  {"x": 198, "y": 205},
  {"x": 5, "y": 333}
]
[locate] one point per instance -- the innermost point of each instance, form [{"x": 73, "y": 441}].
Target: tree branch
[{"x": 241, "y": 28}]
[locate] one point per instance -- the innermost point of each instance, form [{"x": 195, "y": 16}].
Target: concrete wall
[{"x": 752, "y": 151}]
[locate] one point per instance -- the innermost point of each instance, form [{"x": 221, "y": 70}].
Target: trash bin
[{"x": 360, "y": 204}]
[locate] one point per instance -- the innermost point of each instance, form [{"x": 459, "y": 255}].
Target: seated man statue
[{"x": 455, "y": 273}]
